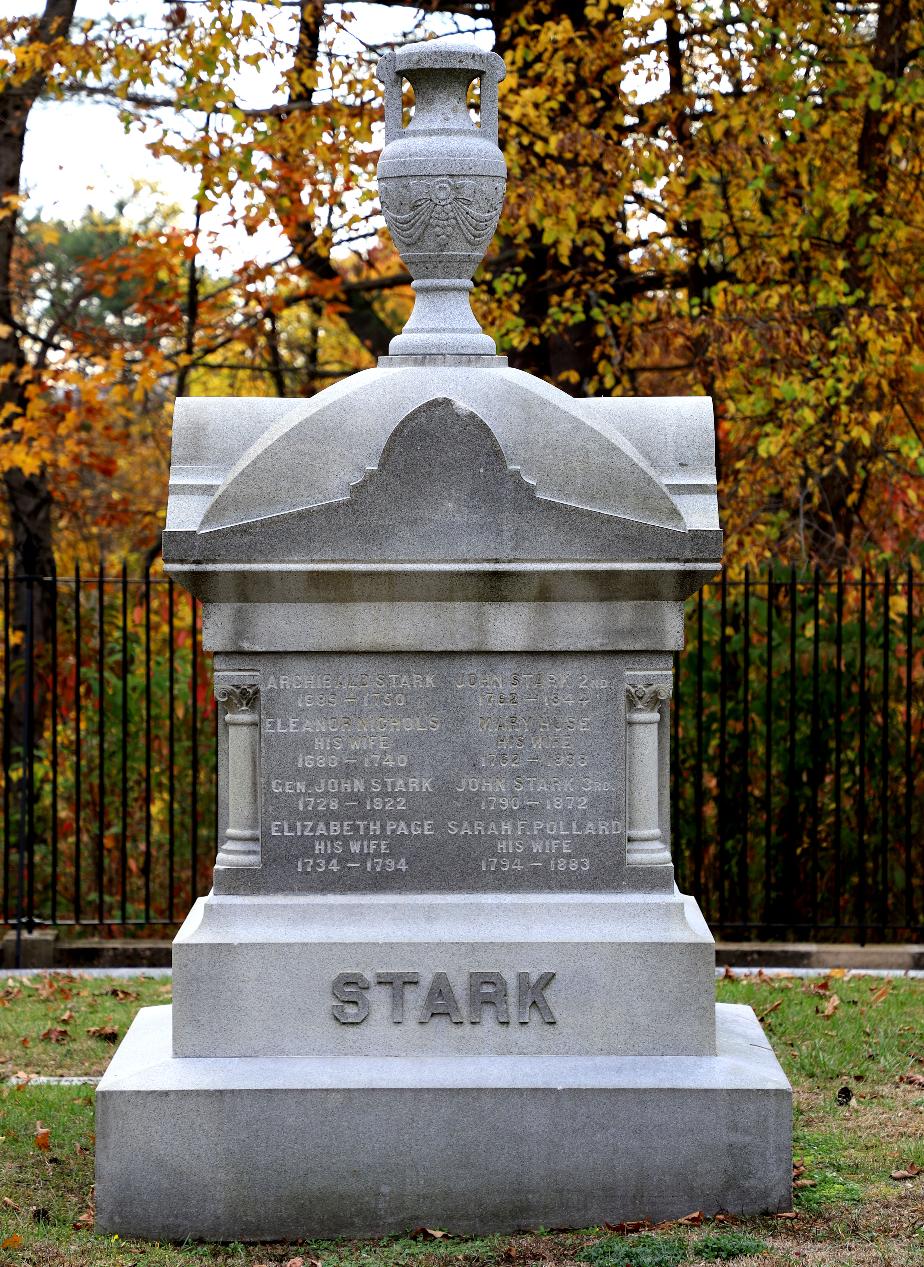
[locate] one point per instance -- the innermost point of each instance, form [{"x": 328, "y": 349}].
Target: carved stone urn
[{"x": 442, "y": 185}]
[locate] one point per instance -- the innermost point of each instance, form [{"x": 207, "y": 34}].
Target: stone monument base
[{"x": 268, "y": 1149}]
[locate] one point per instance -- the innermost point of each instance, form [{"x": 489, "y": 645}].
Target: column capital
[
  {"x": 240, "y": 697},
  {"x": 646, "y": 697}
]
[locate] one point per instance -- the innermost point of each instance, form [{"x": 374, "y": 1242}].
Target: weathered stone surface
[
  {"x": 414, "y": 624},
  {"x": 287, "y": 1148},
  {"x": 442, "y": 465},
  {"x": 441, "y": 773},
  {"x": 316, "y": 450}
]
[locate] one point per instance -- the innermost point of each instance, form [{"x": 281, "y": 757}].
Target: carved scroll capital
[
  {"x": 646, "y": 697},
  {"x": 238, "y": 696}
]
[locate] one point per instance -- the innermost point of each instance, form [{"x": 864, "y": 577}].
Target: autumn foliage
[{"x": 704, "y": 198}]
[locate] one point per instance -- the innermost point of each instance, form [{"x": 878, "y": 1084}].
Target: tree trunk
[{"x": 28, "y": 496}]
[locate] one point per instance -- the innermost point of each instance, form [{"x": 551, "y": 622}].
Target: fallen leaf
[
  {"x": 124, "y": 996},
  {"x": 295, "y": 1262},
  {"x": 687, "y": 1220},
  {"x": 626, "y": 1229},
  {"x": 85, "y": 1222},
  {"x": 54, "y": 1034},
  {"x": 429, "y": 1234},
  {"x": 772, "y": 1008},
  {"x": 786, "y": 1214},
  {"x": 67, "y": 1017},
  {"x": 804, "y": 1183},
  {"x": 11, "y": 1242},
  {"x": 880, "y": 994},
  {"x": 729, "y": 975},
  {"x": 833, "y": 1004},
  {"x": 11, "y": 1203},
  {"x": 912, "y": 1079},
  {"x": 108, "y": 1033},
  {"x": 838, "y": 974},
  {"x": 25, "y": 1042},
  {"x": 42, "y": 1137},
  {"x": 910, "y": 1173}
]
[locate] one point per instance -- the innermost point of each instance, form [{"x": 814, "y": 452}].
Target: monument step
[{"x": 265, "y": 1149}]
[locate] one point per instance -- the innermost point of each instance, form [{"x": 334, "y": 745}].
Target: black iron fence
[{"x": 797, "y": 731}]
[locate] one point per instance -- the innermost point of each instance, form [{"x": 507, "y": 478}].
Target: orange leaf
[
  {"x": 42, "y": 1137},
  {"x": 11, "y": 1242},
  {"x": 108, "y": 1033},
  {"x": 833, "y": 1004}
]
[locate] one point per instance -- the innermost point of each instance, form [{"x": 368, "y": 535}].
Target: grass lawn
[{"x": 852, "y": 1047}]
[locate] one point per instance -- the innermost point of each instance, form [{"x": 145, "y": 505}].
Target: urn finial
[{"x": 442, "y": 183}]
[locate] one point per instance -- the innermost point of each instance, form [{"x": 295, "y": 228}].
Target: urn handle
[
  {"x": 396, "y": 66},
  {"x": 391, "y": 81}
]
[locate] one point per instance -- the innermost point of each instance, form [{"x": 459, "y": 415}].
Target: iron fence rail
[{"x": 797, "y": 721}]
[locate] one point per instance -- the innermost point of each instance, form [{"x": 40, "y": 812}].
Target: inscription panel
[{"x": 422, "y": 772}]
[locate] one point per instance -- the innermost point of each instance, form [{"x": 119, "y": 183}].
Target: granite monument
[{"x": 444, "y": 975}]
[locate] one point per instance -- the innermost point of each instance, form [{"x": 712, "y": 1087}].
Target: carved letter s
[{"x": 353, "y": 1006}]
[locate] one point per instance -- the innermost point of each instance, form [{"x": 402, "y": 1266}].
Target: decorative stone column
[
  {"x": 241, "y": 844},
  {"x": 645, "y": 844}
]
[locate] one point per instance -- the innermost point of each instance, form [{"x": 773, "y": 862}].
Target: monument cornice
[{"x": 449, "y": 581}]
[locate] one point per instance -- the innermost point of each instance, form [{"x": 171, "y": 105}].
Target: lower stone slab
[{"x": 266, "y": 1149}]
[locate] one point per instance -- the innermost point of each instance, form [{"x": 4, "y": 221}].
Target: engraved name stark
[{"x": 406, "y": 996}]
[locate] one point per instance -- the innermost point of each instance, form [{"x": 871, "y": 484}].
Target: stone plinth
[{"x": 271, "y": 1148}]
